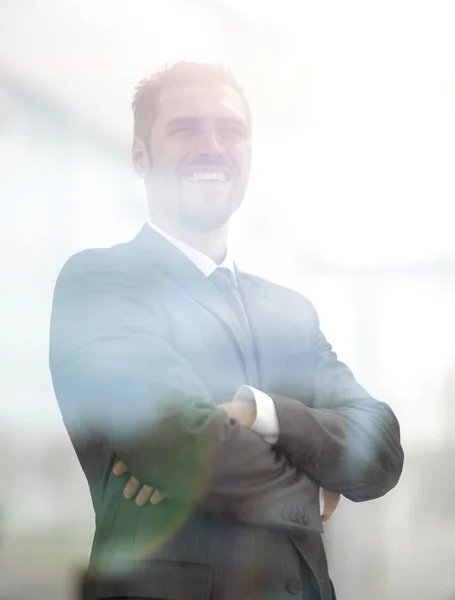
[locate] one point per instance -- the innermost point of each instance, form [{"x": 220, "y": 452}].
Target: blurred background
[{"x": 350, "y": 202}]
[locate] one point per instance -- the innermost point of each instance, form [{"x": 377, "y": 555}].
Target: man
[{"x": 214, "y": 389}]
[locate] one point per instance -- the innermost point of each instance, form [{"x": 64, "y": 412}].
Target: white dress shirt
[{"x": 266, "y": 423}]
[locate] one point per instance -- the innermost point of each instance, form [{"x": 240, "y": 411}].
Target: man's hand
[
  {"x": 330, "y": 503},
  {"x": 146, "y": 493},
  {"x": 243, "y": 412}
]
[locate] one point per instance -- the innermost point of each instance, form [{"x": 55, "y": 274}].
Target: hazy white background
[{"x": 351, "y": 202}]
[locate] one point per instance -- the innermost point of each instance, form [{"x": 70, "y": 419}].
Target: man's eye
[
  {"x": 182, "y": 130},
  {"x": 232, "y": 131}
]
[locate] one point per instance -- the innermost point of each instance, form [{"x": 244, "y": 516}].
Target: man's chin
[{"x": 206, "y": 216}]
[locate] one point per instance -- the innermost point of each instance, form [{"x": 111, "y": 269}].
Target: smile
[{"x": 213, "y": 176}]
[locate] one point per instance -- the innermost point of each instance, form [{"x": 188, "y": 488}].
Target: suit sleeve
[
  {"x": 116, "y": 376},
  {"x": 345, "y": 439}
]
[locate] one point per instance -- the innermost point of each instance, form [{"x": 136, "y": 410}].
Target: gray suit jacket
[{"x": 142, "y": 349}]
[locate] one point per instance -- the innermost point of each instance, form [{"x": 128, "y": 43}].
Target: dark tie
[{"x": 223, "y": 279}]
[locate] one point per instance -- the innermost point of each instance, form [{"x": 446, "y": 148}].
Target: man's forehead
[{"x": 201, "y": 102}]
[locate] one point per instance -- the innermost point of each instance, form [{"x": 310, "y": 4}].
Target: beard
[
  {"x": 196, "y": 210},
  {"x": 204, "y": 221}
]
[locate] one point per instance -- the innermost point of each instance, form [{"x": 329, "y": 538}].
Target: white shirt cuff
[
  {"x": 321, "y": 501},
  {"x": 266, "y": 424}
]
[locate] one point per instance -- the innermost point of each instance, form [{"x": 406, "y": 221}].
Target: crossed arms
[{"x": 115, "y": 373}]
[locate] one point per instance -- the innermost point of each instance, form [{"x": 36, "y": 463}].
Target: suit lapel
[{"x": 173, "y": 263}]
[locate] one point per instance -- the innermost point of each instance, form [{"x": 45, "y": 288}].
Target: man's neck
[{"x": 212, "y": 244}]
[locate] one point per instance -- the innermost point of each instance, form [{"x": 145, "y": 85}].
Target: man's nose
[{"x": 209, "y": 144}]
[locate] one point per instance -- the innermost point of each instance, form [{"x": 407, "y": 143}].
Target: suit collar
[
  {"x": 168, "y": 259},
  {"x": 203, "y": 262}
]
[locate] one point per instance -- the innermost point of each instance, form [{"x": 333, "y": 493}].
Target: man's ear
[{"x": 140, "y": 157}]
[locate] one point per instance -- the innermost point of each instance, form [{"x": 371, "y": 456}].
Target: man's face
[{"x": 200, "y": 148}]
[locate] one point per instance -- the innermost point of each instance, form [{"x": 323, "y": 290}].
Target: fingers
[
  {"x": 144, "y": 495},
  {"x": 119, "y": 468},
  {"x": 131, "y": 488},
  {"x": 156, "y": 497}
]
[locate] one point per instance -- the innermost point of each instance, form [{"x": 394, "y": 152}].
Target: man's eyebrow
[
  {"x": 232, "y": 121},
  {"x": 195, "y": 120},
  {"x": 183, "y": 120}
]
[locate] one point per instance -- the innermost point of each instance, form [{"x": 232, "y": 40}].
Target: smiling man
[
  {"x": 193, "y": 191},
  {"x": 205, "y": 405}
]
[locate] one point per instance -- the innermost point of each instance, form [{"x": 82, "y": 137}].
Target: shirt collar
[{"x": 203, "y": 262}]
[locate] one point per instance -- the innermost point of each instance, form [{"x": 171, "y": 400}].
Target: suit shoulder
[
  {"x": 92, "y": 268},
  {"x": 94, "y": 260}
]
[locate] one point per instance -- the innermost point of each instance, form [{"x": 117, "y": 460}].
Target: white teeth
[{"x": 206, "y": 176}]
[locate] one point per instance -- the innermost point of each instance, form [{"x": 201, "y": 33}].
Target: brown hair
[{"x": 149, "y": 89}]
